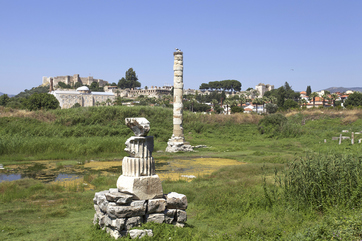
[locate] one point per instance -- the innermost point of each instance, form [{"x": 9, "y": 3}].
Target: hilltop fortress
[{"x": 71, "y": 80}]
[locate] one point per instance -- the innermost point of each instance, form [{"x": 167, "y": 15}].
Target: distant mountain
[
  {"x": 8, "y": 94},
  {"x": 343, "y": 89}
]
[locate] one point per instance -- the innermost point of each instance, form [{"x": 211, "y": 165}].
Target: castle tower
[
  {"x": 177, "y": 141},
  {"x": 51, "y": 86}
]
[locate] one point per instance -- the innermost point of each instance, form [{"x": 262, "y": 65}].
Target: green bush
[
  {"x": 271, "y": 108},
  {"x": 38, "y": 101},
  {"x": 237, "y": 109},
  {"x": 271, "y": 125}
]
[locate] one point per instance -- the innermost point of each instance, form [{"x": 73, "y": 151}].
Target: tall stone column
[{"x": 177, "y": 141}]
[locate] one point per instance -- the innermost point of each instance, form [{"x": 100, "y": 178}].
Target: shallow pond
[
  {"x": 60, "y": 177},
  {"x": 171, "y": 169}
]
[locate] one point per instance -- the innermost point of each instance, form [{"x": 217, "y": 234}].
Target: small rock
[
  {"x": 188, "y": 176},
  {"x": 156, "y": 205},
  {"x": 170, "y": 215},
  {"x": 134, "y": 222},
  {"x": 119, "y": 224},
  {"x": 200, "y": 146},
  {"x": 181, "y": 216},
  {"x": 138, "y": 203},
  {"x": 112, "y": 190},
  {"x": 125, "y": 211},
  {"x": 180, "y": 225},
  {"x": 176, "y": 201},
  {"x": 119, "y": 198},
  {"x": 114, "y": 233},
  {"x": 136, "y": 233},
  {"x": 155, "y": 217}
]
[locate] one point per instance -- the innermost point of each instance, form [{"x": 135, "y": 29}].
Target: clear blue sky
[{"x": 250, "y": 41}]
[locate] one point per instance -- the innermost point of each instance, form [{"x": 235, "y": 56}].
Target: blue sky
[{"x": 317, "y": 43}]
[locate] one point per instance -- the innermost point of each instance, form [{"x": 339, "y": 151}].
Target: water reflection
[
  {"x": 43, "y": 178},
  {"x": 63, "y": 176},
  {"x": 9, "y": 177}
]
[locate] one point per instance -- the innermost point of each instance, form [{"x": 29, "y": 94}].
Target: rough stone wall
[
  {"x": 262, "y": 88},
  {"x": 118, "y": 212},
  {"x": 73, "y": 79},
  {"x": 68, "y": 100}
]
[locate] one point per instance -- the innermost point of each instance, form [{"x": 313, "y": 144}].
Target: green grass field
[{"x": 292, "y": 187}]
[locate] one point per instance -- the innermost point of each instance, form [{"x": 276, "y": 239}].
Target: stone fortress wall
[
  {"x": 83, "y": 96},
  {"x": 262, "y": 88},
  {"x": 71, "y": 80}
]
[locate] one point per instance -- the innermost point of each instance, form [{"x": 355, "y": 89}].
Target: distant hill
[
  {"x": 343, "y": 89},
  {"x": 8, "y": 94}
]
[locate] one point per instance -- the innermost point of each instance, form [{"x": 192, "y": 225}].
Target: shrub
[
  {"x": 39, "y": 101},
  {"x": 271, "y": 108},
  {"x": 76, "y": 105},
  {"x": 272, "y": 124},
  {"x": 237, "y": 109}
]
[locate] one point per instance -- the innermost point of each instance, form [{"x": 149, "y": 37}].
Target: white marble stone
[{"x": 142, "y": 188}]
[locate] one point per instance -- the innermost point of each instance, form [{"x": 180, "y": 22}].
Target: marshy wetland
[{"x": 248, "y": 185}]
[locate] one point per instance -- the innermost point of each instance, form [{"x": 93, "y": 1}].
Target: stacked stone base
[{"x": 119, "y": 212}]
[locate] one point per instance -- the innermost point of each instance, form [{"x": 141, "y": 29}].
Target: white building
[{"x": 83, "y": 96}]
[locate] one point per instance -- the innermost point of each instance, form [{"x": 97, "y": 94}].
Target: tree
[
  {"x": 227, "y": 103},
  {"x": 109, "y": 101},
  {"x": 40, "y": 101},
  {"x": 130, "y": 80},
  {"x": 204, "y": 86},
  {"x": 312, "y": 96},
  {"x": 289, "y": 104},
  {"x": 242, "y": 99},
  {"x": 214, "y": 102},
  {"x": 236, "y": 109},
  {"x": 77, "y": 85},
  {"x": 271, "y": 108},
  {"x": 334, "y": 96},
  {"x": 255, "y": 93},
  {"x": 264, "y": 100},
  {"x": 324, "y": 97},
  {"x": 309, "y": 90},
  {"x": 76, "y": 105},
  {"x": 230, "y": 85},
  {"x": 257, "y": 101},
  {"x": 95, "y": 87},
  {"x": 354, "y": 99},
  {"x": 281, "y": 97},
  {"x": 273, "y": 99},
  {"x": 4, "y": 100},
  {"x": 63, "y": 85}
]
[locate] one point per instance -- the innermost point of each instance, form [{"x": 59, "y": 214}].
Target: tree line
[{"x": 225, "y": 85}]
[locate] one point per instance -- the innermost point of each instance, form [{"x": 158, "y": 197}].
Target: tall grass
[{"x": 319, "y": 182}]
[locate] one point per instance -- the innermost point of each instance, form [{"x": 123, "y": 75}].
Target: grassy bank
[{"x": 292, "y": 187}]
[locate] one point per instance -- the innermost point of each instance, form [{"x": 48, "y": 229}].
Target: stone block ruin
[{"x": 139, "y": 196}]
